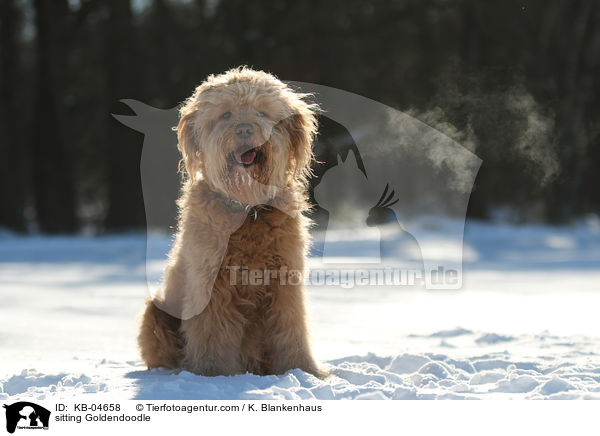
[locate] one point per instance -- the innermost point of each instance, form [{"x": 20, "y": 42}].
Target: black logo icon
[{"x": 26, "y": 415}]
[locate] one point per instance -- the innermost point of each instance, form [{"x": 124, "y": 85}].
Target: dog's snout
[{"x": 244, "y": 130}]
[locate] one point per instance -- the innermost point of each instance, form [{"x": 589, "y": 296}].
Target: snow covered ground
[{"x": 525, "y": 325}]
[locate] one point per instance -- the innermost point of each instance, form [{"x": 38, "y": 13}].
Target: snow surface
[{"x": 523, "y": 326}]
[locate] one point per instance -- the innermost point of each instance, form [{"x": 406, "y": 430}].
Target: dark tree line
[{"x": 517, "y": 82}]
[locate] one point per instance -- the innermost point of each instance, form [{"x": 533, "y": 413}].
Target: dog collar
[{"x": 238, "y": 206}]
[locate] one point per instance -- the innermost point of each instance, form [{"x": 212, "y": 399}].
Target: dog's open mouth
[{"x": 245, "y": 155}]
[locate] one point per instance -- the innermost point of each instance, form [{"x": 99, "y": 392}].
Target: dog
[{"x": 245, "y": 139}]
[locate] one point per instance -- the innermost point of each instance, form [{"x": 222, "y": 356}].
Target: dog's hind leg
[{"x": 159, "y": 339}]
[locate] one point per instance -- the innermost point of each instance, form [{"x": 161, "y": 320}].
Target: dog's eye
[
  {"x": 261, "y": 114},
  {"x": 226, "y": 115}
]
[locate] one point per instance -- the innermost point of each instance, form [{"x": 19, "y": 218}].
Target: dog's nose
[{"x": 244, "y": 130}]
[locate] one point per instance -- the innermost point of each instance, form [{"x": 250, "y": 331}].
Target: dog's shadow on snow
[{"x": 165, "y": 384}]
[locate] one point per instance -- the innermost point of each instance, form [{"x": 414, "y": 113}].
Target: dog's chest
[
  {"x": 259, "y": 242},
  {"x": 253, "y": 262}
]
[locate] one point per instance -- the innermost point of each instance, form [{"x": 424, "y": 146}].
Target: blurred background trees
[{"x": 516, "y": 82}]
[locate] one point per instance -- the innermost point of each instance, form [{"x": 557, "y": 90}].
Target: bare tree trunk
[
  {"x": 12, "y": 189},
  {"x": 52, "y": 178},
  {"x": 125, "y": 201}
]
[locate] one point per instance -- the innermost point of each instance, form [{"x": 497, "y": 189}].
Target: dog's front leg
[
  {"x": 213, "y": 343},
  {"x": 212, "y": 330},
  {"x": 287, "y": 332}
]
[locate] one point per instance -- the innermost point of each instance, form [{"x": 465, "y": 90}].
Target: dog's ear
[
  {"x": 188, "y": 142},
  {"x": 302, "y": 128}
]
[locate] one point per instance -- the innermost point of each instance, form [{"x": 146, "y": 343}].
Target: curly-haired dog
[{"x": 245, "y": 138}]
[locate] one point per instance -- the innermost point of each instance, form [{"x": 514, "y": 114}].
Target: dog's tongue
[{"x": 245, "y": 158}]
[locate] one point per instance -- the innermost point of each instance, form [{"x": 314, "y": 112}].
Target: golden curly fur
[{"x": 245, "y": 139}]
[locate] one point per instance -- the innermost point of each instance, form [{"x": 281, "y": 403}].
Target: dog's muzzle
[{"x": 246, "y": 155}]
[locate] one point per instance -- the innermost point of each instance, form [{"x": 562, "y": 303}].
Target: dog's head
[{"x": 247, "y": 135}]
